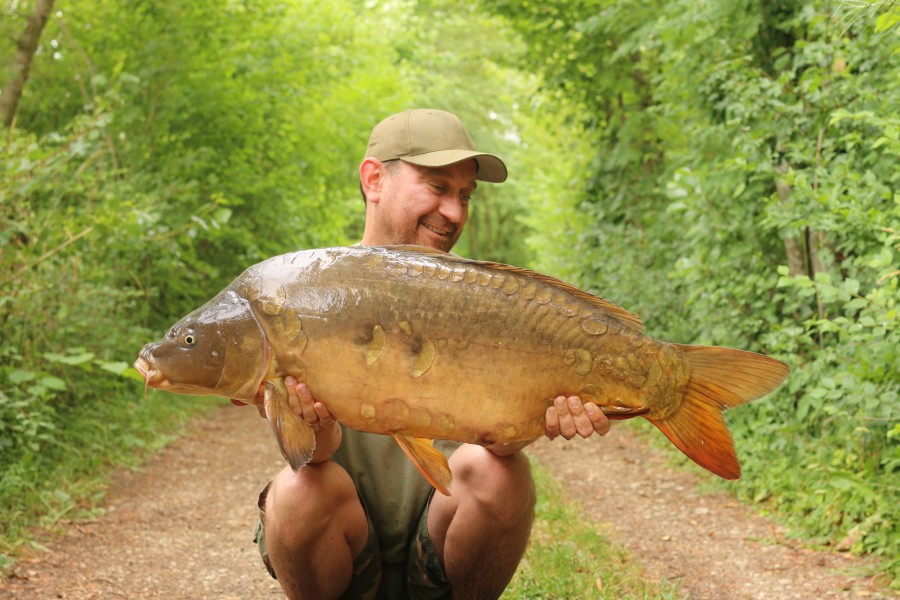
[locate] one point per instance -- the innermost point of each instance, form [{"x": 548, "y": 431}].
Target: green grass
[{"x": 569, "y": 558}]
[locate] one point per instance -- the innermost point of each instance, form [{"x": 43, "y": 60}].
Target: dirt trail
[{"x": 182, "y": 526}]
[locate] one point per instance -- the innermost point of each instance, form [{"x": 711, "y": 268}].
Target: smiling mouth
[{"x": 439, "y": 231}]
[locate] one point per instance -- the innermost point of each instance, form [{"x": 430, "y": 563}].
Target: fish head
[{"x": 220, "y": 349}]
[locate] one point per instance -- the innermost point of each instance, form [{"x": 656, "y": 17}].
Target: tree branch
[
  {"x": 28, "y": 43},
  {"x": 48, "y": 254}
]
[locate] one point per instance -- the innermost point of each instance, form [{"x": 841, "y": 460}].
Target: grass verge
[{"x": 568, "y": 558}]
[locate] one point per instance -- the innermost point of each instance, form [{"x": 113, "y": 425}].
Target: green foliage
[
  {"x": 743, "y": 192},
  {"x": 72, "y": 316}
]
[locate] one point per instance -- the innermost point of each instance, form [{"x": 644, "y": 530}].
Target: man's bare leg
[
  {"x": 315, "y": 526},
  {"x": 482, "y": 530}
]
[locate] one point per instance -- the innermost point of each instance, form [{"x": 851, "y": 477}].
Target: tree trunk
[
  {"x": 795, "y": 257},
  {"x": 795, "y": 250},
  {"x": 28, "y": 43},
  {"x": 816, "y": 241}
]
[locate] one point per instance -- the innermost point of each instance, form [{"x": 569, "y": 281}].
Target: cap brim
[{"x": 490, "y": 168}]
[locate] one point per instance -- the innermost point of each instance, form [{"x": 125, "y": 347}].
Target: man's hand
[
  {"x": 328, "y": 433},
  {"x": 569, "y": 416},
  {"x": 301, "y": 402},
  {"x": 306, "y": 407}
]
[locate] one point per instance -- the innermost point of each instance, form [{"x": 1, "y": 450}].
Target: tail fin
[{"x": 720, "y": 378}]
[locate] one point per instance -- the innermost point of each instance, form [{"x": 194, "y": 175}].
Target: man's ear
[{"x": 371, "y": 178}]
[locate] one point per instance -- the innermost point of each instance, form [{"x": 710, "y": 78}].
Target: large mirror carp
[{"x": 420, "y": 345}]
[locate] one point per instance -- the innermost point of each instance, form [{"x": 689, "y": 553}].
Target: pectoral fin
[
  {"x": 295, "y": 437},
  {"x": 430, "y": 461}
]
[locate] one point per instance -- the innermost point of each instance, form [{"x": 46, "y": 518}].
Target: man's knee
[
  {"x": 300, "y": 505},
  {"x": 313, "y": 527},
  {"x": 482, "y": 530},
  {"x": 502, "y": 484}
]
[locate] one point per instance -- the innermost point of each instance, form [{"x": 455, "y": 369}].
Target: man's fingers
[
  {"x": 599, "y": 421},
  {"x": 307, "y": 404},
  {"x": 551, "y": 423},
  {"x": 325, "y": 417},
  {"x": 583, "y": 425},
  {"x": 567, "y": 427},
  {"x": 568, "y": 417}
]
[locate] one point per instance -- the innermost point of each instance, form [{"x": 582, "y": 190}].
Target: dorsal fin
[{"x": 626, "y": 318}]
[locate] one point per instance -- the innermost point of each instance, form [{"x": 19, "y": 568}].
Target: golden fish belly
[{"x": 439, "y": 349}]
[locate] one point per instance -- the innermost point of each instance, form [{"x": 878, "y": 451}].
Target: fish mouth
[{"x": 152, "y": 377}]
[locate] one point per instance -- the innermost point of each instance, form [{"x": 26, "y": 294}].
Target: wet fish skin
[{"x": 419, "y": 344}]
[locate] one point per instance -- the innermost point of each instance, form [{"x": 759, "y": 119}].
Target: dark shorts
[{"x": 422, "y": 577}]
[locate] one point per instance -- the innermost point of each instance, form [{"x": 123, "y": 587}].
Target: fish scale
[{"x": 419, "y": 344}]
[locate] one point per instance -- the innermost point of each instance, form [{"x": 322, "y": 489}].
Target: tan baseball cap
[{"x": 431, "y": 138}]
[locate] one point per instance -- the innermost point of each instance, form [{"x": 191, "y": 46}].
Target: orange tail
[{"x": 720, "y": 379}]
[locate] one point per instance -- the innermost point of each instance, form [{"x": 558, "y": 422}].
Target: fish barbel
[{"x": 421, "y": 345}]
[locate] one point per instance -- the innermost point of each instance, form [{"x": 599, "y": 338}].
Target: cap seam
[{"x": 409, "y": 146}]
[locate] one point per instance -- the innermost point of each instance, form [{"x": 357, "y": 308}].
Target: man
[{"x": 359, "y": 517}]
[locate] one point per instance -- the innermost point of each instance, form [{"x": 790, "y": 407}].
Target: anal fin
[
  {"x": 430, "y": 461},
  {"x": 618, "y": 413},
  {"x": 295, "y": 437}
]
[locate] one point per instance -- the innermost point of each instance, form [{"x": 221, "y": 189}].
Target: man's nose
[{"x": 452, "y": 208}]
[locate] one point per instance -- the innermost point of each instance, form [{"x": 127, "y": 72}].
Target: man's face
[{"x": 427, "y": 206}]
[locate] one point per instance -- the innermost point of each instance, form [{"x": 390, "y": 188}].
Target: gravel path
[{"x": 182, "y": 526}]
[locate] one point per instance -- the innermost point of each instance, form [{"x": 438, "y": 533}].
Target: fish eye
[{"x": 189, "y": 339}]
